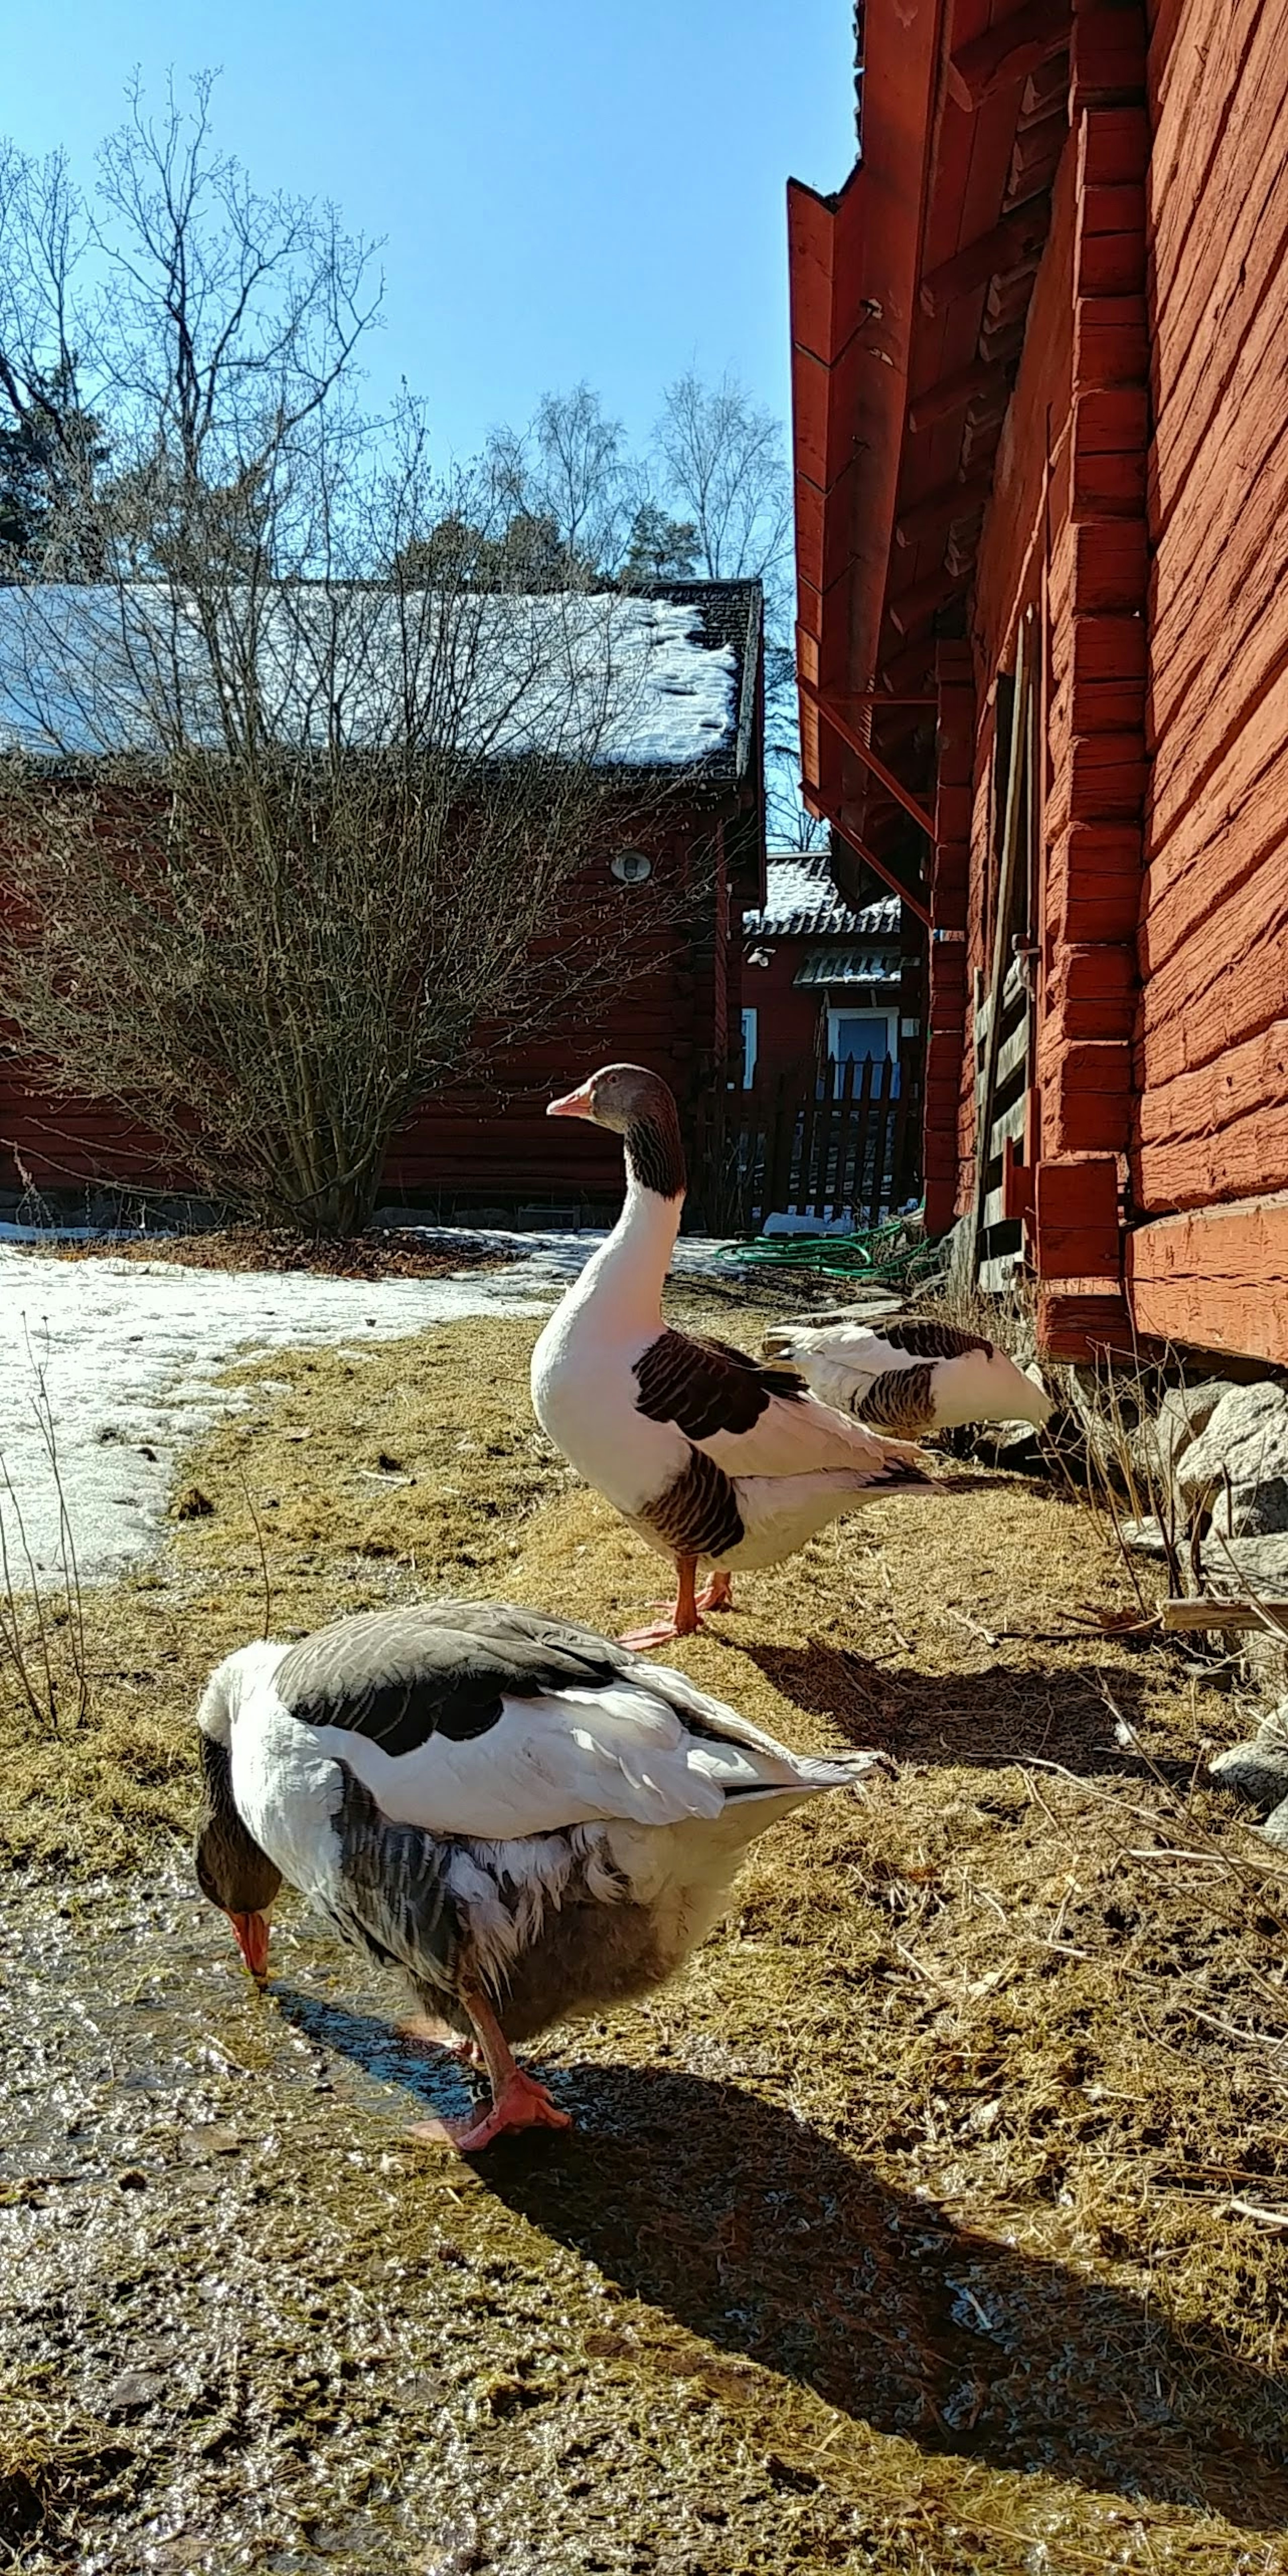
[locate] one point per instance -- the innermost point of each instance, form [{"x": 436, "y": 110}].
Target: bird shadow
[
  {"x": 1007, "y": 1713},
  {"x": 752, "y": 2229}
]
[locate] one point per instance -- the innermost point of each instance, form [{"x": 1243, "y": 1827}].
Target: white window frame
[
  {"x": 750, "y": 1025},
  {"x": 834, "y": 1018}
]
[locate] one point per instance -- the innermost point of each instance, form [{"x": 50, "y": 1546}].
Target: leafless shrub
[
  {"x": 42, "y": 1622},
  {"x": 287, "y": 820}
]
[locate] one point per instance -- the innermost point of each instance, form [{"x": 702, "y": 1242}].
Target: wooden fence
[{"x": 840, "y": 1143}]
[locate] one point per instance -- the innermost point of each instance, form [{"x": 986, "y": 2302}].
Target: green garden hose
[{"x": 879, "y": 1255}]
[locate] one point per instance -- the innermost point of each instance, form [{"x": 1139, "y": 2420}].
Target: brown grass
[
  {"x": 386, "y": 1253},
  {"x": 1033, "y": 1982}
]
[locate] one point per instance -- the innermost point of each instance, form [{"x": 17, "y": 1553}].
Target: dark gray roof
[{"x": 803, "y": 901}]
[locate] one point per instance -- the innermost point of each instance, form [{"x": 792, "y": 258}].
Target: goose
[
  {"x": 910, "y": 1376},
  {"x": 529, "y": 1821},
  {"x": 714, "y": 1458}
]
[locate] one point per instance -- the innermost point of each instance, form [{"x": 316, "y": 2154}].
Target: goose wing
[
  {"x": 753, "y": 1417},
  {"x": 487, "y": 1721}
]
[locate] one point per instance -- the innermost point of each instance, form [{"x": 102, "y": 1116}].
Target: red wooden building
[
  {"x": 822, "y": 979},
  {"x": 1042, "y": 520},
  {"x": 489, "y": 1146}
]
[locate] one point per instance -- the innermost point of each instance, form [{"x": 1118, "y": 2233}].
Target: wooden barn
[
  {"x": 823, "y": 980},
  {"x": 1042, "y": 525},
  {"x": 487, "y": 1146}
]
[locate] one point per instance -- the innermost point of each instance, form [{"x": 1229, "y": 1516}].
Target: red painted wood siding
[
  {"x": 474, "y": 1145},
  {"x": 1211, "y": 1036}
]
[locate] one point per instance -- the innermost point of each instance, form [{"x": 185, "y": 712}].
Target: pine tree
[
  {"x": 51, "y": 450},
  {"x": 660, "y": 548}
]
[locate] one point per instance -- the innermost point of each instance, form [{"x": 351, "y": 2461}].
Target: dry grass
[
  {"x": 1030, "y": 1987},
  {"x": 386, "y": 1253}
]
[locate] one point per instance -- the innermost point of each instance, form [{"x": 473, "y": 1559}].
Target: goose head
[
  {"x": 232, "y": 1872},
  {"x": 639, "y": 1107}
]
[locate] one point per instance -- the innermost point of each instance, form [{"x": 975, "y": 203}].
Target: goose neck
[{"x": 629, "y": 1271}]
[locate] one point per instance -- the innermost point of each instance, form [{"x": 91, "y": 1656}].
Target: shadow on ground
[
  {"x": 1008, "y": 1713},
  {"x": 751, "y": 2229}
]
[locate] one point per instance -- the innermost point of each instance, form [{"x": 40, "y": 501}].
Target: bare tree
[
  {"x": 721, "y": 456},
  {"x": 570, "y": 470},
  {"x": 283, "y": 821}
]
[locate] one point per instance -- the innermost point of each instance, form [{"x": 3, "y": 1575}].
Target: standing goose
[
  {"x": 714, "y": 1458},
  {"x": 910, "y": 1377},
  {"x": 527, "y": 1820}
]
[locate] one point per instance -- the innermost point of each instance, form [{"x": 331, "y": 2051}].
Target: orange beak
[
  {"x": 252, "y": 1941},
  {"x": 575, "y": 1104}
]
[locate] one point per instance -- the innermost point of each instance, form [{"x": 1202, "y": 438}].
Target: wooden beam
[
  {"x": 939, "y": 509},
  {"x": 1181, "y": 1618},
  {"x": 871, "y": 760},
  {"x": 914, "y": 608},
  {"x": 953, "y": 393},
  {"x": 1018, "y": 237},
  {"x": 1006, "y": 53},
  {"x": 880, "y": 867},
  {"x": 1017, "y": 793},
  {"x": 882, "y": 698}
]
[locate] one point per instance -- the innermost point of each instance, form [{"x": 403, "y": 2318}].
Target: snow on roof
[
  {"x": 92, "y": 670},
  {"x": 803, "y": 901}
]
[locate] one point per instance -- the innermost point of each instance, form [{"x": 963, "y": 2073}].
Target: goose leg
[
  {"x": 682, "y": 1621},
  {"x": 518, "y": 2101},
  {"x": 420, "y": 2030},
  {"x": 717, "y": 1593}
]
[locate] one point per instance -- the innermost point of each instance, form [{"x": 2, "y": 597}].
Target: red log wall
[
  {"x": 1211, "y": 1040},
  {"x": 474, "y": 1146}
]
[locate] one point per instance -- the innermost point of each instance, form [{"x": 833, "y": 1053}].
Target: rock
[
  {"x": 1239, "y": 1464},
  {"x": 1257, "y": 1771},
  {"x": 133, "y": 2389},
  {"x": 1162, "y": 1439},
  {"x": 1145, "y": 1537},
  {"x": 1257, "y": 1566},
  {"x": 1275, "y": 1828}
]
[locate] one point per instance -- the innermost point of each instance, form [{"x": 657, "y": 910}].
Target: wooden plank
[
  {"x": 1184, "y": 1618},
  {"x": 1010, "y": 1124},
  {"x": 1010, "y": 244},
  {"x": 1217, "y": 1278},
  {"x": 1006, "y": 53},
  {"x": 909, "y": 610},
  {"x": 854, "y": 741},
  {"x": 953, "y": 393},
  {"x": 942, "y": 509},
  {"x": 1013, "y": 1052},
  {"x": 1017, "y": 789}
]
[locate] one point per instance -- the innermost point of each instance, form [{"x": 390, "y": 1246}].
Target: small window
[
  {"x": 748, "y": 1049},
  {"x": 852, "y": 1035}
]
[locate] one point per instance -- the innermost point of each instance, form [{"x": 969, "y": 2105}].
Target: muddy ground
[{"x": 934, "y": 2221}]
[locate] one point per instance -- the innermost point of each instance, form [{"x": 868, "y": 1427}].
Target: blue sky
[{"x": 569, "y": 187}]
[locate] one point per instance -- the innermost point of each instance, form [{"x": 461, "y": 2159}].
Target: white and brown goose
[
  {"x": 716, "y": 1459},
  {"x": 911, "y": 1376},
  {"x": 527, "y": 1820}
]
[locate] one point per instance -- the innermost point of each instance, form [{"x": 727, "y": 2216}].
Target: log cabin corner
[{"x": 1041, "y": 512}]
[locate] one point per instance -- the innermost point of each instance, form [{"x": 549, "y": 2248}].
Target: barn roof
[
  {"x": 803, "y": 901},
  {"x": 909, "y": 296},
  {"x": 662, "y": 678}
]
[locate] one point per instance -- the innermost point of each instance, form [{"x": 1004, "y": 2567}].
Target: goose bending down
[
  {"x": 714, "y": 1458},
  {"x": 910, "y": 1377},
  {"x": 526, "y": 1819}
]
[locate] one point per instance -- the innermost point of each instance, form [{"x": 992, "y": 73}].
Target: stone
[
  {"x": 1255, "y": 1566},
  {"x": 1161, "y": 1440},
  {"x": 1257, "y": 1771},
  {"x": 1239, "y": 1464},
  {"x": 1145, "y": 1537},
  {"x": 1275, "y": 1828}
]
